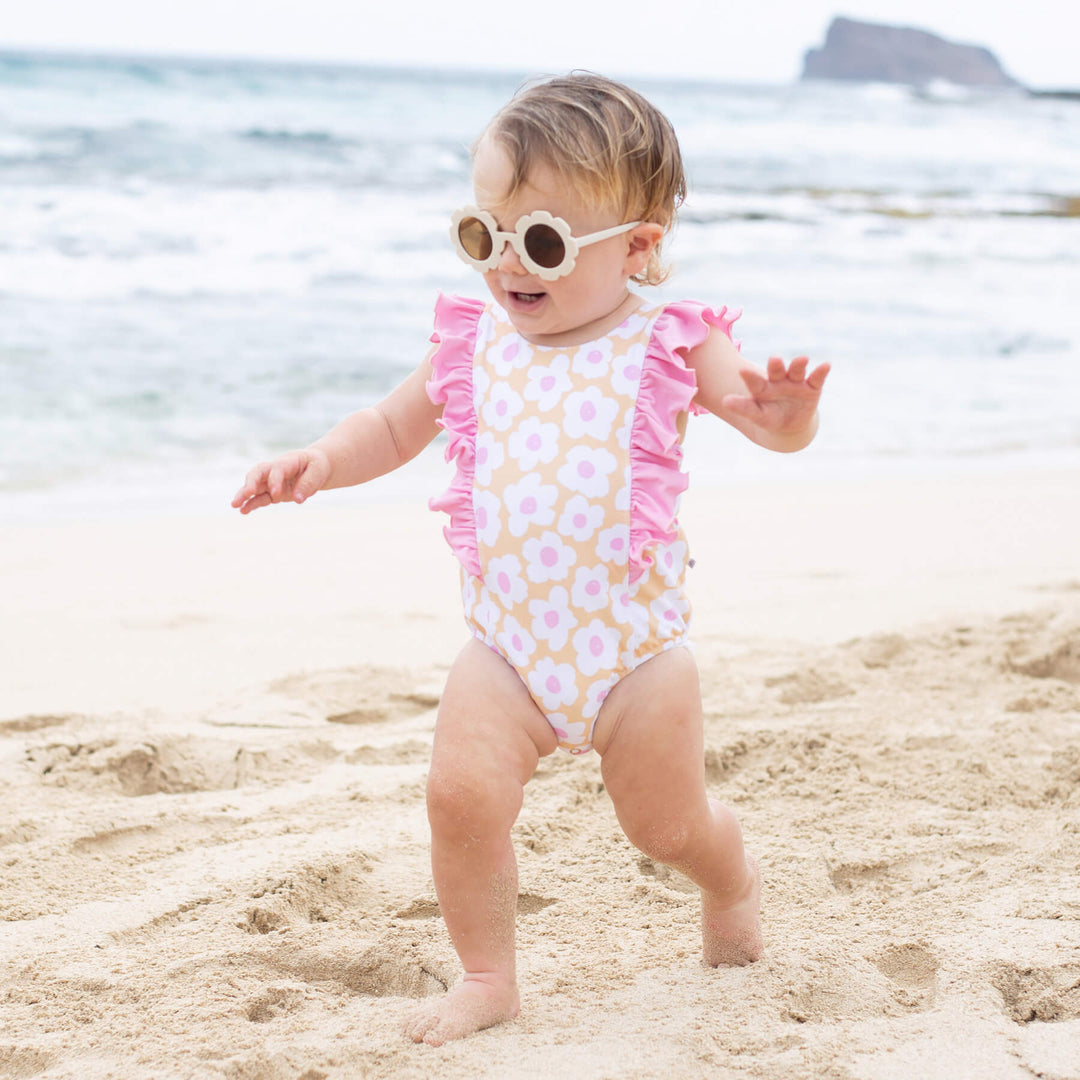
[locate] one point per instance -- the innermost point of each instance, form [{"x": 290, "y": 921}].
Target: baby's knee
[
  {"x": 463, "y": 802},
  {"x": 663, "y": 842}
]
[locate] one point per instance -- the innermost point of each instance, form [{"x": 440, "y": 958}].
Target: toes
[
  {"x": 435, "y": 1037},
  {"x": 418, "y": 1026}
]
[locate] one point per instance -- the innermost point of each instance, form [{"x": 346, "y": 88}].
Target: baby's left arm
[{"x": 776, "y": 408}]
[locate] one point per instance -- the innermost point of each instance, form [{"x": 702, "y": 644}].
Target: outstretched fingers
[{"x": 817, "y": 377}]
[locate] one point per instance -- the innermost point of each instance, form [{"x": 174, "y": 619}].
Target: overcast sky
[{"x": 760, "y": 40}]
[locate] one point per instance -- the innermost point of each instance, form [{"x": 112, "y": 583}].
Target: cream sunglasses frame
[{"x": 571, "y": 244}]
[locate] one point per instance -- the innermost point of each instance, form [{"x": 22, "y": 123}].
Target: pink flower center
[
  {"x": 617, "y": 543},
  {"x": 511, "y": 352},
  {"x": 632, "y": 372},
  {"x": 503, "y": 581},
  {"x": 528, "y": 505},
  {"x": 481, "y": 517},
  {"x": 553, "y": 684},
  {"x": 595, "y": 357},
  {"x": 547, "y": 383},
  {"x": 588, "y": 411},
  {"x": 596, "y": 645},
  {"x": 593, "y": 588},
  {"x": 516, "y": 642},
  {"x": 580, "y": 521},
  {"x": 671, "y": 614},
  {"x": 501, "y": 407},
  {"x": 586, "y": 469},
  {"x": 549, "y": 556},
  {"x": 534, "y": 442},
  {"x": 551, "y": 619}
]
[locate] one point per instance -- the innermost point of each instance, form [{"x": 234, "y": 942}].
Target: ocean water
[{"x": 203, "y": 263}]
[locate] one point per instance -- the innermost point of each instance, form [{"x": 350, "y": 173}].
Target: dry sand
[{"x": 213, "y": 744}]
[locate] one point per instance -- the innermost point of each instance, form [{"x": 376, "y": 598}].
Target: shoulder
[{"x": 684, "y": 325}]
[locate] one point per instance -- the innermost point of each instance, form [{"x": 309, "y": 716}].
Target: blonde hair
[{"x": 615, "y": 147}]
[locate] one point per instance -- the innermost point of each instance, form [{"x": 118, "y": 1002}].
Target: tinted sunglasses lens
[
  {"x": 475, "y": 238},
  {"x": 545, "y": 246}
]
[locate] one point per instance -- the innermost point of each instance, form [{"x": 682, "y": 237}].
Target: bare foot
[
  {"x": 470, "y": 1007},
  {"x": 731, "y": 931}
]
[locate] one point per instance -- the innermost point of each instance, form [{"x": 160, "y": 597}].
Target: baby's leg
[
  {"x": 489, "y": 737},
  {"x": 649, "y": 732}
]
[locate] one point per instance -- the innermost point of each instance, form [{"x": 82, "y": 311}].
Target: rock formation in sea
[{"x": 872, "y": 52}]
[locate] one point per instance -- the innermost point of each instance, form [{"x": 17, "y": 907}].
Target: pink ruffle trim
[
  {"x": 667, "y": 389},
  {"x": 451, "y": 385}
]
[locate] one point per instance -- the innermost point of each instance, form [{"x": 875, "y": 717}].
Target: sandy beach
[{"x": 214, "y": 736}]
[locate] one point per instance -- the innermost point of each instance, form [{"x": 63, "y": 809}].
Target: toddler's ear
[{"x": 640, "y": 244}]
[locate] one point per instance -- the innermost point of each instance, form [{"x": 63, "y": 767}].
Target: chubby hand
[
  {"x": 293, "y": 477},
  {"x": 783, "y": 403}
]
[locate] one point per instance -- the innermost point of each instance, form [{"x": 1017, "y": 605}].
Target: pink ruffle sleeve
[
  {"x": 667, "y": 389},
  {"x": 451, "y": 385}
]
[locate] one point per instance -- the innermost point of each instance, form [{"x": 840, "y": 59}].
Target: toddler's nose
[{"x": 510, "y": 261}]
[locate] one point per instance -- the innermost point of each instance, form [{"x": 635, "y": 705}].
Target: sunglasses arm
[{"x": 604, "y": 234}]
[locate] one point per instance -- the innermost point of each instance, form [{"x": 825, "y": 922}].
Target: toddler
[{"x": 564, "y": 397}]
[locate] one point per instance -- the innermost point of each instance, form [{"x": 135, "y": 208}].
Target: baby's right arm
[{"x": 367, "y": 444}]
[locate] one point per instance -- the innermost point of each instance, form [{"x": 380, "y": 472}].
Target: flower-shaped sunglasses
[{"x": 543, "y": 243}]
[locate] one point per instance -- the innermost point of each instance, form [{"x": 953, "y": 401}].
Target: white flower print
[
  {"x": 485, "y": 328},
  {"x": 481, "y": 384},
  {"x": 580, "y": 519},
  {"x": 489, "y": 456},
  {"x": 630, "y": 326},
  {"x": 626, "y": 371},
  {"x": 468, "y": 593},
  {"x": 547, "y": 384},
  {"x": 589, "y": 413},
  {"x": 590, "y": 589},
  {"x": 529, "y": 502},
  {"x": 671, "y": 561},
  {"x": 486, "y": 509},
  {"x": 553, "y": 684},
  {"x": 628, "y": 657},
  {"x": 534, "y": 443},
  {"x": 512, "y": 352},
  {"x": 566, "y": 731},
  {"x": 613, "y": 545},
  {"x": 626, "y": 610},
  {"x": 548, "y": 558},
  {"x": 504, "y": 579},
  {"x": 593, "y": 360},
  {"x": 595, "y": 695},
  {"x": 624, "y": 432},
  {"x": 486, "y": 615},
  {"x": 515, "y": 641},
  {"x": 587, "y": 470},
  {"x": 669, "y": 610},
  {"x": 597, "y": 647},
  {"x": 552, "y": 619},
  {"x": 501, "y": 407}
]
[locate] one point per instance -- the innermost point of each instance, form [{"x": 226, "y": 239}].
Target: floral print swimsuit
[{"x": 563, "y": 508}]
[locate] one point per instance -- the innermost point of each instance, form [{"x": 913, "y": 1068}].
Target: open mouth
[{"x": 527, "y": 298}]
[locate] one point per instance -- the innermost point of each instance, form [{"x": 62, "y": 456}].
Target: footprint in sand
[
  {"x": 1050, "y": 651},
  {"x": 1039, "y": 993},
  {"x": 403, "y": 963},
  {"x": 312, "y": 894},
  {"x": 912, "y": 969},
  {"x": 809, "y": 687}
]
